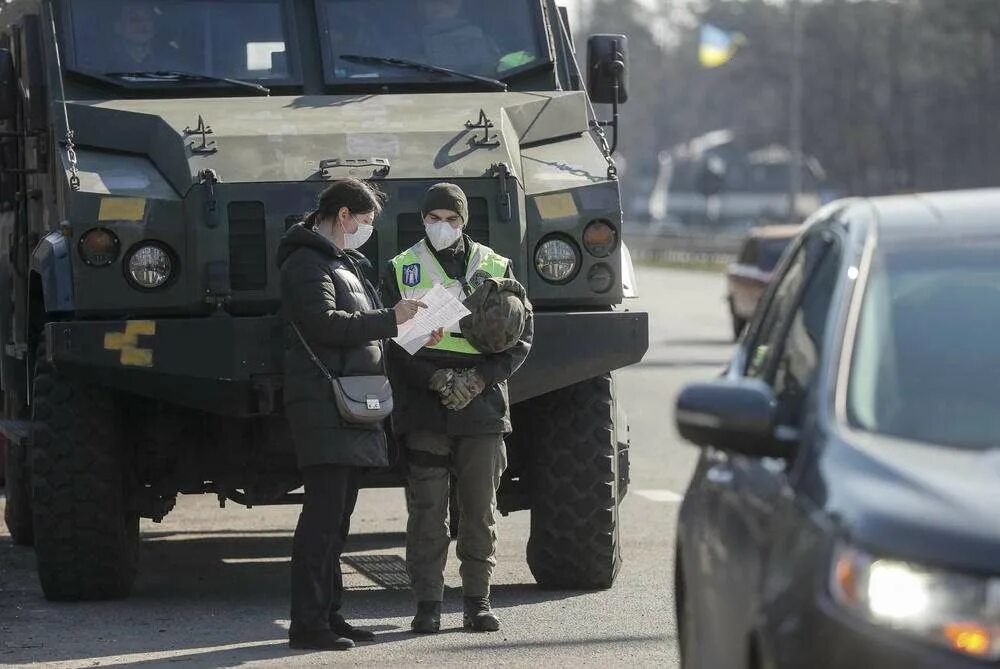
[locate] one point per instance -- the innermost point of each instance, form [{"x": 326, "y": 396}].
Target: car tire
[
  {"x": 687, "y": 641},
  {"x": 85, "y": 514},
  {"x": 575, "y": 491}
]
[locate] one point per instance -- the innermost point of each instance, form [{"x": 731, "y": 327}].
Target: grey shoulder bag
[{"x": 360, "y": 399}]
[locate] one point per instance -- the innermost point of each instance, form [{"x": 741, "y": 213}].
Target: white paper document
[{"x": 443, "y": 311}]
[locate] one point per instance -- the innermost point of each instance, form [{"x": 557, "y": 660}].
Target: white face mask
[
  {"x": 357, "y": 239},
  {"x": 441, "y": 234}
]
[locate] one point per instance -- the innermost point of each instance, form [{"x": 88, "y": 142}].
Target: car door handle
[{"x": 719, "y": 475}]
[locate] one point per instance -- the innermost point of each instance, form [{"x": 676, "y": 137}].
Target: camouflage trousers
[{"x": 477, "y": 463}]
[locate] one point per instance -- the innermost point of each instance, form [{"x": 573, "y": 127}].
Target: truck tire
[
  {"x": 86, "y": 519},
  {"x": 17, "y": 484},
  {"x": 574, "y": 541}
]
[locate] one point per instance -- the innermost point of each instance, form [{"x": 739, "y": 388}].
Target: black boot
[
  {"x": 479, "y": 617},
  {"x": 428, "y": 618},
  {"x": 341, "y": 627},
  {"x": 318, "y": 640}
]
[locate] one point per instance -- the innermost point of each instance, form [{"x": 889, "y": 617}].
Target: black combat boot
[
  {"x": 341, "y": 627},
  {"x": 479, "y": 617},
  {"x": 428, "y": 618},
  {"x": 318, "y": 640}
]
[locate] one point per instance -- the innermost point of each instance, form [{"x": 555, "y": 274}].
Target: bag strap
[{"x": 312, "y": 354}]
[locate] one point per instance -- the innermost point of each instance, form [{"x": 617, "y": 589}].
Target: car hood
[{"x": 933, "y": 504}]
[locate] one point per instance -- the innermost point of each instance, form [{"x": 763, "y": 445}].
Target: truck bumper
[{"x": 233, "y": 365}]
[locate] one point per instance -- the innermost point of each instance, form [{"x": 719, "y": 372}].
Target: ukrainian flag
[{"x": 717, "y": 46}]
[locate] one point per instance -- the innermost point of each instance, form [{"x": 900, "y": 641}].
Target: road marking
[
  {"x": 256, "y": 560},
  {"x": 668, "y": 496}
]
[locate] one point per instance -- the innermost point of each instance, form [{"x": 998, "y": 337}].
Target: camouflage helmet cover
[{"x": 500, "y": 310}]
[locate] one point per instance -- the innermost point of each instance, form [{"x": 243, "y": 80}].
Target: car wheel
[{"x": 686, "y": 627}]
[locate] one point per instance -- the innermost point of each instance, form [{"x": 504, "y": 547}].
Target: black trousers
[{"x": 324, "y": 523}]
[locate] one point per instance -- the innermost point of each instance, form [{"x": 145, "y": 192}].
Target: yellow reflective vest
[{"x": 417, "y": 271}]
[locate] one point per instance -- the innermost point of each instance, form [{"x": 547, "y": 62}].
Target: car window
[
  {"x": 801, "y": 347},
  {"x": 748, "y": 255},
  {"x": 787, "y": 347},
  {"x": 782, "y": 302},
  {"x": 770, "y": 253}
]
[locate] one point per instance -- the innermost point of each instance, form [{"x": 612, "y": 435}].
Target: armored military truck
[{"x": 153, "y": 152}]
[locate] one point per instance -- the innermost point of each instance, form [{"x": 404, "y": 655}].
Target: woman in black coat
[{"x": 326, "y": 295}]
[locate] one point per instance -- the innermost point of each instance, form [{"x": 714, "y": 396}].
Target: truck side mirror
[
  {"x": 607, "y": 68},
  {"x": 8, "y": 86}
]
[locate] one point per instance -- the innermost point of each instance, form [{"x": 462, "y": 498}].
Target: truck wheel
[
  {"x": 17, "y": 486},
  {"x": 574, "y": 541},
  {"x": 86, "y": 519}
]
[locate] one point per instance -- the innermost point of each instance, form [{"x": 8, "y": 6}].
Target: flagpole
[{"x": 795, "y": 113}]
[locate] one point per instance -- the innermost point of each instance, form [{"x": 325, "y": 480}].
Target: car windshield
[
  {"x": 926, "y": 365},
  {"x": 492, "y": 39},
  {"x": 241, "y": 40}
]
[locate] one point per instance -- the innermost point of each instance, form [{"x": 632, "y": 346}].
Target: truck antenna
[
  {"x": 70, "y": 141},
  {"x": 595, "y": 125}
]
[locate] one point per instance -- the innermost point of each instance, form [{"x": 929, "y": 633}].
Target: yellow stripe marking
[
  {"x": 122, "y": 209},
  {"x": 127, "y": 342}
]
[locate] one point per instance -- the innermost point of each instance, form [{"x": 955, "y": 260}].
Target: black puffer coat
[{"x": 326, "y": 294}]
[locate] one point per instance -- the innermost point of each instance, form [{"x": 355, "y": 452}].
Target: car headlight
[
  {"x": 150, "y": 266},
  {"x": 958, "y": 611},
  {"x": 557, "y": 259},
  {"x": 99, "y": 247}
]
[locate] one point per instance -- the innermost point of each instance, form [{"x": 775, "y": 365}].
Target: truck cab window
[
  {"x": 243, "y": 40},
  {"x": 486, "y": 39}
]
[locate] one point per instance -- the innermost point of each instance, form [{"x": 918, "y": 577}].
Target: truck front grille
[{"x": 247, "y": 246}]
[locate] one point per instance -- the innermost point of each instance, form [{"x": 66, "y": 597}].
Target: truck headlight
[
  {"x": 956, "y": 611},
  {"x": 150, "y": 266},
  {"x": 557, "y": 259}
]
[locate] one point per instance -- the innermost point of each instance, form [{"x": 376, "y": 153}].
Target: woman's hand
[
  {"x": 407, "y": 309},
  {"x": 435, "y": 337}
]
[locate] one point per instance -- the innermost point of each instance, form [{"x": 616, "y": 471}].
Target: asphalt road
[{"x": 213, "y": 584}]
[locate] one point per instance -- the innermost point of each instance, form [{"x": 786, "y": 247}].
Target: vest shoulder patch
[{"x": 411, "y": 275}]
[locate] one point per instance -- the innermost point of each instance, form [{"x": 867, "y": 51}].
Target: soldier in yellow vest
[{"x": 452, "y": 412}]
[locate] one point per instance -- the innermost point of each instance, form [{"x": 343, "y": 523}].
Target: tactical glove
[
  {"x": 441, "y": 380},
  {"x": 466, "y": 386}
]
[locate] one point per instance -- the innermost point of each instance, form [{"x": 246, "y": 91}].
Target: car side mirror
[
  {"x": 731, "y": 415},
  {"x": 8, "y": 86},
  {"x": 607, "y": 69}
]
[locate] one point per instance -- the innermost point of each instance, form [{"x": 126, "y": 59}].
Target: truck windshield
[
  {"x": 244, "y": 40},
  {"x": 489, "y": 39}
]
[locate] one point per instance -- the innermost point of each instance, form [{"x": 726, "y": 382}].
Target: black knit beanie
[{"x": 446, "y": 196}]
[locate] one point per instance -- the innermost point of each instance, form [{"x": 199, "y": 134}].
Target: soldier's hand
[
  {"x": 407, "y": 309},
  {"x": 466, "y": 386},
  {"x": 435, "y": 337}
]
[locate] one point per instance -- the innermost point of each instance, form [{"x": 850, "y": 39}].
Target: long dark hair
[{"x": 360, "y": 197}]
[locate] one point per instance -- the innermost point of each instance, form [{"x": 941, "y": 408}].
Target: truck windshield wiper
[
  {"x": 414, "y": 65},
  {"x": 174, "y": 75}
]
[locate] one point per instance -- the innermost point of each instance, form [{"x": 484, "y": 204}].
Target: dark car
[
  {"x": 747, "y": 278},
  {"x": 845, "y": 511}
]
